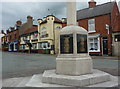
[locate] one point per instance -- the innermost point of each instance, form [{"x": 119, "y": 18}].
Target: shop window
[
  {"x": 23, "y": 46},
  {"x": 44, "y": 45},
  {"x": 40, "y": 45},
  {"x": 34, "y": 46}
]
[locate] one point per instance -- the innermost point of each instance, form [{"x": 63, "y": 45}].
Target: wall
[
  {"x": 51, "y": 30},
  {"x": 57, "y": 32},
  {"x": 116, "y": 46}
]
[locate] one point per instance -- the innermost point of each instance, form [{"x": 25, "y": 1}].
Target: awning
[
  {"x": 93, "y": 35},
  {"x": 11, "y": 43},
  {"x": 15, "y": 42}
]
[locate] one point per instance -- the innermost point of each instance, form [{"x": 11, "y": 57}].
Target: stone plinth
[
  {"x": 50, "y": 77},
  {"x": 74, "y": 66}
]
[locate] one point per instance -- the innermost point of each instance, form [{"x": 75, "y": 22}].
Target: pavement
[
  {"x": 22, "y": 81},
  {"x": 15, "y": 82}
]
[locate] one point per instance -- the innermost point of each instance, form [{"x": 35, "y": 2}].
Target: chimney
[
  {"x": 30, "y": 21},
  {"x": 2, "y": 32},
  {"x": 7, "y": 31},
  {"x": 64, "y": 20},
  {"x": 18, "y": 23},
  {"x": 39, "y": 21},
  {"x": 92, "y": 4},
  {"x": 44, "y": 18}
]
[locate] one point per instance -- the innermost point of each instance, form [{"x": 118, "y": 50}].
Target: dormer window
[
  {"x": 43, "y": 28},
  {"x": 91, "y": 25},
  {"x": 58, "y": 27}
]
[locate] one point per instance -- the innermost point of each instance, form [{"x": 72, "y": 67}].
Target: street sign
[{"x": 107, "y": 26}]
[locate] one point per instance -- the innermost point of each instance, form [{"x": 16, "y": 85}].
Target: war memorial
[{"x": 74, "y": 66}]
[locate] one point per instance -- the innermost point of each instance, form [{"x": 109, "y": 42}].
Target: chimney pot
[
  {"x": 18, "y": 22},
  {"x": 29, "y": 17},
  {"x": 92, "y": 4}
]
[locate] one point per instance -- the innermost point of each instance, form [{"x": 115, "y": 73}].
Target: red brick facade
[{"x": 13, "y": 35}]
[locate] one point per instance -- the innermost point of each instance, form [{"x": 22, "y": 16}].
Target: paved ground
[{"x": 20, "y": 64}]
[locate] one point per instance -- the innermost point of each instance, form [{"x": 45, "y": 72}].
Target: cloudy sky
[{"x": 13, "y": 10}]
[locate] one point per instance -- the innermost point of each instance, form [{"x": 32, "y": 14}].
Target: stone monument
[
  {"x": 73, "y": 64},
  {"x": 73, "y": 58}
]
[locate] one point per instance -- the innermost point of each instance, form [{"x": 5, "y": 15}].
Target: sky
[{"x": 13, "y": 10}]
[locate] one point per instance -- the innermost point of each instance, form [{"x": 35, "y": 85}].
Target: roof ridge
[
  {"x": 96, "y": 6},
  {"x": 104, "y": 3}
]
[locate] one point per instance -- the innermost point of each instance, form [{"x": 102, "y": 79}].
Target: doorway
[{"x": 105, "y": 46}]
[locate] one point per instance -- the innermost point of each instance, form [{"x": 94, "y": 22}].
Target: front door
[
  {"x": 105, "y": 46},
  {"x": 11, "y": 47}
]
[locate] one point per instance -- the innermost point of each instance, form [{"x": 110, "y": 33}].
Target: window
[
  {"x": 15, "y": 35},
  {"x": 40, "y": 45},
  {"x": 44, "y": 45},
  {"x": 29, "y": 37},
  {"x": 94, "y": 44},
  {"x": 23, "y": 46},
  {"x": 16, "y": 46},
  {"x": 10, "y": 37},
  {"x": 43, "y": 28},
  {"x": 34, "y": 46},
  {"x": 117, "y": 38},
  {"x": 58, "y": 28},
  {"x": 44, "y": 34},
  {"x": 91, "y": 25},
  {"x": 35, "y": 35},
  {"x": 24, "y": 38}
]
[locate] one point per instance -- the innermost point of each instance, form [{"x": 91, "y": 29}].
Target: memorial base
[
  {"x": 83, "y": 80},
  {"x": 51, "y": 79}
]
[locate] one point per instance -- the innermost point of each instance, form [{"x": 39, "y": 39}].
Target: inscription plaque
[
  {"x": 81, "y": 43},
  {"x": 66, "y": 44}
]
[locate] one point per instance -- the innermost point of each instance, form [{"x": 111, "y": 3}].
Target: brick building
[
  {"x": 13, "y": 37},
  {"x": 102, "y": 23}
]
